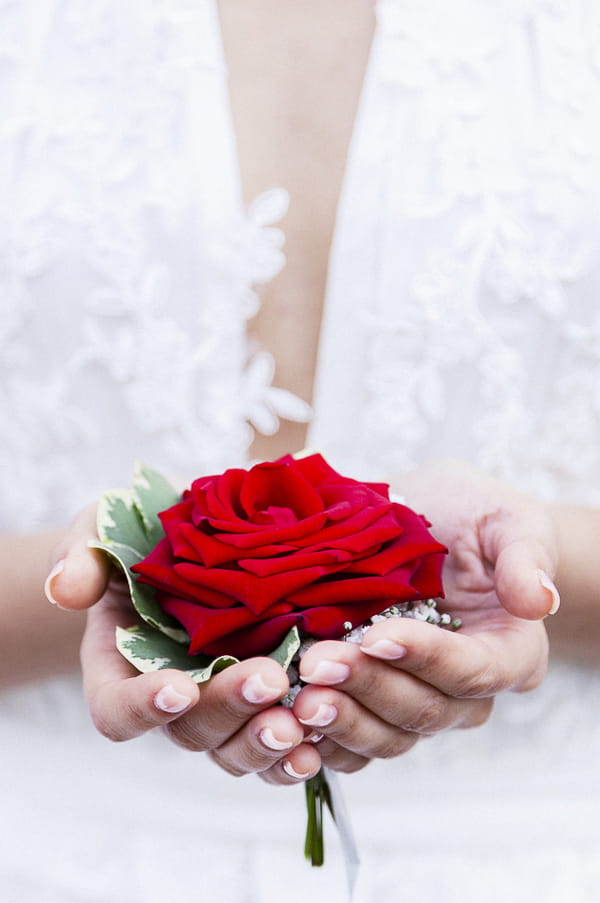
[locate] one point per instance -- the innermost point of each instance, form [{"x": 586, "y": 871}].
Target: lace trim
[
  {"x": 500, "y": 211},
  {"x": 98, "y": 219}
]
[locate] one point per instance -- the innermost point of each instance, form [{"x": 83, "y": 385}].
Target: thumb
[
  {"x": 523, "y": 582},
  {"x": 79, "y": 575},
  {"x": 523, "y": 552}
]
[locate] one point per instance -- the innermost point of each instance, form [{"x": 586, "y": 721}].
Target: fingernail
[
  {"x": 289, "y": 769},
  {"x": 255, "y": 690},
  {"x": 56, "y": 570},
  {"x": 268, "y": 739},
  {"x": 550, "y": 587},
  {"x": 313, "y": 737},
  {"x": 169, "y": 700},
  {"x": 324, "y": 715},
  {"x": 385, "y": 649},
  {"x": 328, "y": 673}
]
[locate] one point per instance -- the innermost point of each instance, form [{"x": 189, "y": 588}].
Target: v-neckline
[{"x": 231, "y": 166}]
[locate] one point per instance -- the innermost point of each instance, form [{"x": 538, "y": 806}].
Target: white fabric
[{"x": 461, "y": 318}]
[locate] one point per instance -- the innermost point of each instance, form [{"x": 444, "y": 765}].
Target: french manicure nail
[
  {"x": 255, "y": 690},
  {"x": 268, "y": 739},
  {"x": 551, "y": 589},
  {"x": 385, "y": 649},
  {"x": 289, "y": 769},
  {"x": 56, "y": 570},
  {"x": 324, "y": 715},
  {"x": 328, "y": 673},
  {"x": 169, "y": 700},
  {"x": 313, "y": 737}
]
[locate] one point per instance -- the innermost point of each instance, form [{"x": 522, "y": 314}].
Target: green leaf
[
  {"x": 152, "y": 494},
  {"x": 287, "y": 648},
  {"x": 129, "y": 528},
  {"x": 142, "y": 596},
  {"x": 148, "y": 650},
  {"x": 119, "y": 521}
]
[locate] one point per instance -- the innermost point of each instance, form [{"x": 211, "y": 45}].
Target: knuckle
[
  {"x": 533, "y": 681},
  {"x": 479, "y": 713},
  {"x": 344, "y": 761},
  {"x": 182, "y": 734},
  {"x": 430, "y": 716},
  {"x": 231, "y": 768},
  {"x": 346, "y": 729},
  {"x": 396, "y": 746},
  {"x": 484, "y": 682},
  {"x": 136, "y": 715},
  {"x": 370, "y": 681},
  {"x": 107, "y": 728},
  {"x": 429, "y": 660}
]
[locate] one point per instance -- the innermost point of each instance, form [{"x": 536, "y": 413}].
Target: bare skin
[{"x": 293, "y": 121}]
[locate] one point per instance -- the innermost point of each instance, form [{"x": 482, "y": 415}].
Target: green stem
[{"x": 317, "y": 793}]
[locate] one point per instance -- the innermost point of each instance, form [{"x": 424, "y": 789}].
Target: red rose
[{"x": 249, "y": 554}]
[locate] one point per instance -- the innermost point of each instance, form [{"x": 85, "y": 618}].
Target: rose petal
[
  {"x": 261, "y": 535},
  {"x": 256, "y": 593},
  {"x": 194, "y": 545},
  {"x": 261, "y": 638},
  {"x": 167, "y": 580},
  {"x": 266, "y": 567},
  {"x": 247, "y": 555},
  {"x": 276, "y": 485},
  {"x": 206, "y": 625},
  {"x": 400, "y": 551},
  {"x": 396, "y": 586}
]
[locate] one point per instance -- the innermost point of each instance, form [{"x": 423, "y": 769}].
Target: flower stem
[{"x": 317, "y": 794}]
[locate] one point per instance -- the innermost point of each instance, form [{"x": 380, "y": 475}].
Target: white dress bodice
[{"x": 461, "y": 318}]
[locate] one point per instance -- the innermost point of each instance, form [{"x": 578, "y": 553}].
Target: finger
[
  {"x": 340, "y": 759},
  {"x": 524, "y": 588},
  {"x": 261, "y": 743},
  {"x": 228, "y": 701},
  {"x": 297, "y": 766},
  {"x": 78, "y": 575},
  {"x": 350, "y": 725},
  {"x": 510, "y": 657},
  {"x": 379, "y": 705},
  {"x": 124, "y": 704},
  {"x": 521, "y": 546}
]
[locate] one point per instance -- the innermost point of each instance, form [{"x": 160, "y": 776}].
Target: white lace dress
[{"x": 462, "y": 318}]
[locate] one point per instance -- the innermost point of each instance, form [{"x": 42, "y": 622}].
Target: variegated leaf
[
  {"x": 287, "y": 649},
  {"x": 152, "y": 494},
  {"x": 119, "y": 520},
  {"x": 142, "y": 596},
  {"x": 148, "y": 650}
]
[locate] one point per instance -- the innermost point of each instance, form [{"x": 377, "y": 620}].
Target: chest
[{"x": 295, "y": 74}]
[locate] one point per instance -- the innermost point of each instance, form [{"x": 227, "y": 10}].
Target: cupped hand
[
  {"x": 234, "y": 716},
  {"x": 410, "y": 678}
]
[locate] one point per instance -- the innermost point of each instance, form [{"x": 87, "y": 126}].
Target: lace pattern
[
  {"x": 127, "y": 269},
  {"x": 104, "y": 196},
  {"x": 491, "y": 196}
]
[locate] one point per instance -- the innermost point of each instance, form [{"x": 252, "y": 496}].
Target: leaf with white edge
[
  {"x": 148, "y": 650},
  {"x": 287, "y": 649},
  {"x": 118, "y": 520},
  {"x": 152, "y": 494},
  {"x": 142, "y": 596}
]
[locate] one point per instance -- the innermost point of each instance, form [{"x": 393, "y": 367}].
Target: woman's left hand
[{"x": 409, "y": 678}]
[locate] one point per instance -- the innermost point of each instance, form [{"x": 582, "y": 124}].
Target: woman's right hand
[{"x": 233, "y": 716}]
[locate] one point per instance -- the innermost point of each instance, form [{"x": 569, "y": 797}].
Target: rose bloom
[{"x": 249, "y": 554}]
